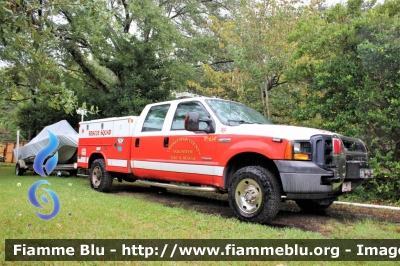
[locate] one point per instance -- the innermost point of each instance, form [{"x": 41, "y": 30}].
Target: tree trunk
[
  {"x": 262, "y": 100},
  {"x": 267, "y": 100}
]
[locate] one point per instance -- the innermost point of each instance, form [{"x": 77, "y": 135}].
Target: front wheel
[
  {"x": 100, "y": 179},
  {"x": 254, "y": 194},
  {"x": 309, "y": 205}
]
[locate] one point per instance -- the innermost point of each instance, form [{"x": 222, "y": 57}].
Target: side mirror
[{"x": 192, "y": 122}]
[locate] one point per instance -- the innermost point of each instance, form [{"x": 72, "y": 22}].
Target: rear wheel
[
  {"x": 309, "y": 205},
  {"x": 100, "y": 179},
  {"x": 18, "y": 170},
  {"x": 254, "y": 194}
]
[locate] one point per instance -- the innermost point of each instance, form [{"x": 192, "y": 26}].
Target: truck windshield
[{"x": 232, "y": 113}]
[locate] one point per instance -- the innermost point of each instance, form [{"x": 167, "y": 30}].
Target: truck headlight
[{"x": 298, "y": 150}]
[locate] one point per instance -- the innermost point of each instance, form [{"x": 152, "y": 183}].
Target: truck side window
[
  {"x": 155, "y": 118},
  {"x": 183, "y": 109}
]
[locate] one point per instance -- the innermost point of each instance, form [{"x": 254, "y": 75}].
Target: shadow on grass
[{"x": 290, "y": 216}]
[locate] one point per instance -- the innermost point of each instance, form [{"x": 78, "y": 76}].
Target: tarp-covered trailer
[{"x": 67, "y": 147}]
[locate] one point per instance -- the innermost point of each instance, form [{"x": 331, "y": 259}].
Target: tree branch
[
  {"x": 218, "y": 62},
  {"x": 128, "y": 19},
  {"x": 80, "y": 60}
]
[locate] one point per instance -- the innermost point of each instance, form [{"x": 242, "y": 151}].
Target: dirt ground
[{"x": 290, "y": 215}]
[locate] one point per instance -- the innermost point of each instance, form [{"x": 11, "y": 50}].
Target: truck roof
[
  {"x": 200, "y": 98},
  {"x": 108, "y": 119}
]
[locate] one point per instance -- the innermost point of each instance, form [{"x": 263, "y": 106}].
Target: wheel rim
[
  {"x": 248, "y": 196},
  {"x": 96, "y": 176}
]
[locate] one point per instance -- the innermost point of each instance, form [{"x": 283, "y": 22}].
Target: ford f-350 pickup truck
[{"x": 210, "y": 144}]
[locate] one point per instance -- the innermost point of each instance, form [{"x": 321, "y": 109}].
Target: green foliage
[
  {"x": 141, "y": 80},
  {"x": 254, "y": 50},
  {"x": 125, "y": 53},
  {"x": 386, "y": 185},
  {"x": 337, "y": 96},
  {"x": 27, "y": 46},
  {"x": 354, "y": 82}
]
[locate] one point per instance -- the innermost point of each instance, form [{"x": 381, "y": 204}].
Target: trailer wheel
[
  {"x": 309, "y": 205},
  {"x": 18, "y": 170},
  {"x": 100, "y": 179},
  {"x": 254, "y": 194}
]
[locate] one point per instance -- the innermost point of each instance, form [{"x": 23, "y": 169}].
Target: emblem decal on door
[{"x": 184, "y": 140}]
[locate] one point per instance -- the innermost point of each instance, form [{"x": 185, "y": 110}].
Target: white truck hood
[{"x": 277, "y": 131}]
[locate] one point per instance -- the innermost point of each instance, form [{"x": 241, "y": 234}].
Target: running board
[{"x": 165, "y": 185}]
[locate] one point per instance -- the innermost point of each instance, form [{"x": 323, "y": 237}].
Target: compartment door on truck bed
[
  {"x": 95, "y": 137},
  {"x": 120, "y": 151}
]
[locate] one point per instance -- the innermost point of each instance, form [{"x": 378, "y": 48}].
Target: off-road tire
[
  {"x": 100, "y": 179},
  {"x": 18, "y": 170},
  {"x": 311, "y": 206},
  {"x": 254, "y": 194}
]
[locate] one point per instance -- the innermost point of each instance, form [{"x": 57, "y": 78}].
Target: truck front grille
[{"x": 322, "y": 149}]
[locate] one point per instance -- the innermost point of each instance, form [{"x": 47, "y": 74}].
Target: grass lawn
[{"x": 86, "y": 214}]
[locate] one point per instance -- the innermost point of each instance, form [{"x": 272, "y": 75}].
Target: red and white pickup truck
[{"x": 209, "y": 144}]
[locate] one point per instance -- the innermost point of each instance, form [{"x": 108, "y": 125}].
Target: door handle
[
  {"x": 137, "y": 142},
  {"x": 166, "y": 140}
]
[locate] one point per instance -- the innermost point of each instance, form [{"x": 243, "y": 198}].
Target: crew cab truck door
[
  {"x": 148, "y": 142},
  {"x": 189, "y": 156}
]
